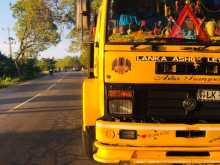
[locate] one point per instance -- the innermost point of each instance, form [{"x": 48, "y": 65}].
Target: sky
[{"x": 7, "y": 21}]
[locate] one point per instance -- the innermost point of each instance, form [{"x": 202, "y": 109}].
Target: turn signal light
[{"x": 120, "y": 93}]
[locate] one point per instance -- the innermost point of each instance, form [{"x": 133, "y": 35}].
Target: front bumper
[
  {"x": 154, "y": 142},
  {"x": 152, "y": 155}
]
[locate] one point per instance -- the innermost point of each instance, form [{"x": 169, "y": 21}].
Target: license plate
[{"x": 208, "y": 95}]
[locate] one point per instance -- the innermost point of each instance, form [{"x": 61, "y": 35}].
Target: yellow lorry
[{"x": 153, "y": 94}]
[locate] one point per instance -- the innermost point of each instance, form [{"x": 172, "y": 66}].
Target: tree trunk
[{"x": 18, "y": 68}]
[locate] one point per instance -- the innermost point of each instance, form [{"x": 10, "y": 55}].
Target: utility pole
[{"x": 10, "y": 39}]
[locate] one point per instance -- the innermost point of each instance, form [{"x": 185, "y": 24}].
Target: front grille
[
  {"x": 164, "y": 104},
  {"x": 190, "y": 134},
  {"x": 187, "y": 68},
  {"x": 187, "y": 154}
]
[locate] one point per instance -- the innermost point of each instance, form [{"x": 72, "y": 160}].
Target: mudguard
[{"x": 90, "y": 102}]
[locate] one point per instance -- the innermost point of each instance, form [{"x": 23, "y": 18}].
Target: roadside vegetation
[
  {"x": 9, "y": 74},
  {"x": 39, "y": 25},
  {"x": 33, "y": 68}
]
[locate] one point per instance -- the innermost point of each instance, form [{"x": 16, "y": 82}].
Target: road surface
[{"x": 40, "y": 122}]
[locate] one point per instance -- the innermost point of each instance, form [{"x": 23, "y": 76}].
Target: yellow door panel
[{"x": 91, "y": 108}]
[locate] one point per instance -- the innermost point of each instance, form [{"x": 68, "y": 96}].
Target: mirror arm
[{"x": 91, "y": 61}]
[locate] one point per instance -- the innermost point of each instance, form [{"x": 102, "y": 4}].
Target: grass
[{"x": 8, "y": 81}]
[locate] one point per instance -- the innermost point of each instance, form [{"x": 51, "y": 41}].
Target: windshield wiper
[
  {"x": 201, "y": 48},
  {"x": 154, "y": 46},
  {"x": 156, "y": 42},
  {"x": 184, "y": 41},
  {"x": 149, "y": 41}
]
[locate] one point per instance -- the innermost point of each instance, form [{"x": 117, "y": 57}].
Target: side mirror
[{"x": 89, "y": 46}]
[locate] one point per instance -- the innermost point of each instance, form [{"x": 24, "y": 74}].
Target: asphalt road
[{"x": 40, "y": 122}]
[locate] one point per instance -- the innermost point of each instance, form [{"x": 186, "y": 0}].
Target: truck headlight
[{"x": 120, "y": 106}]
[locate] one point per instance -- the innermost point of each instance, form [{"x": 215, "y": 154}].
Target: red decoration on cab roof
[{"x": 187, "y": 11}]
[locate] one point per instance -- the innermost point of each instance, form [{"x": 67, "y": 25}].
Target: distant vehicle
[
  {"x": 78, "y": 69},
  {"x": 51, "y": 71}
]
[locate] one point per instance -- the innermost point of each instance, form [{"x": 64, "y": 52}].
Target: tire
[{"x": 88, "y": 139}]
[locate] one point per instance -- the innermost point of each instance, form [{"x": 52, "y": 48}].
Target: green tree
[
  {"x": 43, "y": 64},
  {"x": 30, "y": 69},
  {"x": 68, "y": 62},
  {"x": 95, "y": 5},
  {"x": 39, "y": 23},
  {"x": 35, "y": 28},
  {"x": 84, "y": 56},
  {"x": 7, "y": 67}
]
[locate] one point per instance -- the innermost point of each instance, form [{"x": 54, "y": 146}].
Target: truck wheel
[{"x": 88, "y": 139}]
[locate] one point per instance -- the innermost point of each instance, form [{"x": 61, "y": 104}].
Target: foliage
[
  {"x": 38, "y": 26},
  {"x": 46, "y": 64},
  {"x": 63, "y": 10},
  {"x": 30, "y": 69},
  {"x": 8, "y": 74},
  {"x": 5, "y": 82},
  {"x": 84, "y": 57},
  {"x": 43, "y": 64},
  {"x": 7, "y": 67},
  {"x": 35, "y": 28},
  {"x": 75, "y": 45},
  {"x": 95, "y": 5},
  {"x": 68, "y": 63}
]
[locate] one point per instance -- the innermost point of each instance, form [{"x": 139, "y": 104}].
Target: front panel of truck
[{"x": 160, "y": 76}]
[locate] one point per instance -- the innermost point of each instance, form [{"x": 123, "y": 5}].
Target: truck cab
[{"x": 153, "y": 94}]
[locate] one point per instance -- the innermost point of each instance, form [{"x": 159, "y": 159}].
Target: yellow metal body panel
[
  {"x": 100, "y": 39},
  {"x": 163, "y": 48},
  {"x": 154, "y": 141},
  {"x": 91, "y": 110},
  {"x": 93, "y": 89},
  {"x": 157, "y": 135},
  {"x": 153, "y": 155},
  {"x": 143, "y": 70}
]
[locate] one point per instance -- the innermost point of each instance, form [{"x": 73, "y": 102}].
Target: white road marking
[
  {"x": 25, "y": 83},
  {"x": 37, "y": 95},
  {"x": 19, "y": 105},
  {"x": 51, "y": 86},
  {"x": 60, "y": 79}
]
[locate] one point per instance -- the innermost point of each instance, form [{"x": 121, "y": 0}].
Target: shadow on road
[
  {"x": 55, "y": 147},
  {"x": 41, "y": 110},
  {"x": 45, "y": 130},
  {"x": 56, "y": 98},
  {"x": 13, "y": 100}
]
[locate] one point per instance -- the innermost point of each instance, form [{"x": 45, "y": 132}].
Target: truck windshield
[{"x": 166, "y": 21}]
